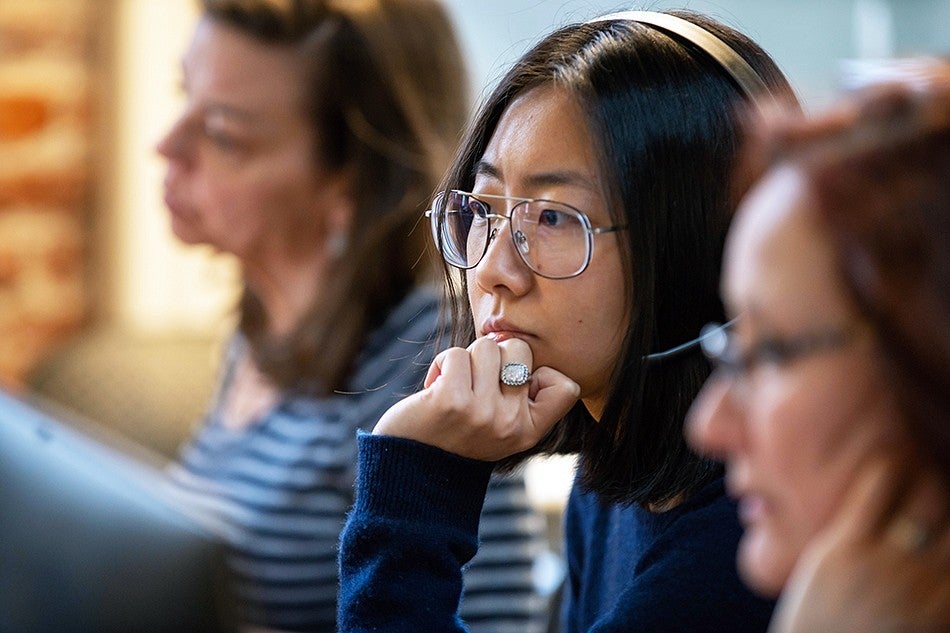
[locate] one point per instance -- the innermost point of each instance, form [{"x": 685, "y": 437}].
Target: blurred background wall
[
  {"x": 47, "y": 134},
  {"x": 102, "y": 309}
]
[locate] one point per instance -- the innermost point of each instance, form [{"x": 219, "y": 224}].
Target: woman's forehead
[
  {"x": 779, "y": 259},
  {"x": 542, "y": 138}
]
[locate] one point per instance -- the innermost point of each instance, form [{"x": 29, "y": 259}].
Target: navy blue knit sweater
[
  {"x": 633, "y": 570},
  {"x": 415, "y": 524}
]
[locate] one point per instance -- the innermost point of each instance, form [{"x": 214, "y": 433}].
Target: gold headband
[{"x": 739, "y": 69}]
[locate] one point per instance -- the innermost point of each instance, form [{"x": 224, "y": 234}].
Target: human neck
[
  {"x": 287, "y": 286},
  {"x": 667, "y": 505},
  {"x": 595, "y": 406}
]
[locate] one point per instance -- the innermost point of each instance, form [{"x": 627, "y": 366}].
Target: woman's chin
[
  {"x": 187, "y": 233},
  {"x": 763, "y": 564}
]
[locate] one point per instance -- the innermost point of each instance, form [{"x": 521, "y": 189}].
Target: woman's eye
[
  {"x": 221, "y": 140},
  {"x": 773, "y": 351},
  {"x": 477, "y": 208},
  {"x": 550, "y": 217}
]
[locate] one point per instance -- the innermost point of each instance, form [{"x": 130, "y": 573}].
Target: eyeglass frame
[
  {"x": 780, "y": 351},
  {"x": 589, "y": 230}
]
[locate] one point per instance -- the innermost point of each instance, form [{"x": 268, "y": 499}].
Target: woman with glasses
[
  {"x": 831, "y": 406},
  {"x": 306, "y": 149},
  {"x": 581, "y": 225}
]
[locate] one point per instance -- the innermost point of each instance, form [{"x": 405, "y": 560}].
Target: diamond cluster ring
[{"x": 514, "y": 374}]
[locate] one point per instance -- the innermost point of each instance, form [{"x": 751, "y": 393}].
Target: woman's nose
[
  {"x": 714, "y": 424},
  {"x": 502, "y": 266},
  {"x": 172, "y": 146}
]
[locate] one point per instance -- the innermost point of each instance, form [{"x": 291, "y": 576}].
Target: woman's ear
[{"x": 339, "y": 213}]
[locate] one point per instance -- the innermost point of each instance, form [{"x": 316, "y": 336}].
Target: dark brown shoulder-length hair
[
  {"x": 664, "y": 122},
  {"x": 878, "y": 165},
  {"x": 388, "y": 100}
]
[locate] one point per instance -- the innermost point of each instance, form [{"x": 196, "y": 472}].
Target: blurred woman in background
[
  {"x": 313, "y": 134},
  {"x": 832, "y": 403}
]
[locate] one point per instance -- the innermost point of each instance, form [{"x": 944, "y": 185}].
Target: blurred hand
[
  {"x": 883, "y": 565},
  {"x": 466, "y": 410}
]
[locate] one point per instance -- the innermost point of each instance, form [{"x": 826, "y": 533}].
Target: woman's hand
[
  {"x": 882, "y": 566},
  {"x": 466, "y": 410}
]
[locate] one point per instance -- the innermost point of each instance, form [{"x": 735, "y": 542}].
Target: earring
[{"x": 337, "y": 243}]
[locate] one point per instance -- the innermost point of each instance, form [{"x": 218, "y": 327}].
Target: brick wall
[{"x": 46, "y": 130}]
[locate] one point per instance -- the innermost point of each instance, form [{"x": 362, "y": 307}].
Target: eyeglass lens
[
  {"x": 719, "y": 344},
  {"x": 551, "y": 238}
]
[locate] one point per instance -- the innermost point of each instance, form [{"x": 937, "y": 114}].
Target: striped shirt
[{"x": 282, "y": 488}]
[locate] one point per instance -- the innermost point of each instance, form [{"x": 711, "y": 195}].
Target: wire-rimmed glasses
[
  {"x": 720, "y": 346},
  {"x": 553, "y": 239}
]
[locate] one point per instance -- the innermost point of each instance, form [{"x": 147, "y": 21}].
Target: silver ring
[{"x": 514, "y": 374}]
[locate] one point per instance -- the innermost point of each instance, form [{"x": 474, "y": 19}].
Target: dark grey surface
[{"x": 92, "y": 540}]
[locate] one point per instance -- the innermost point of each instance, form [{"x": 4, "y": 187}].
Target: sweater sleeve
[{"x": 413, "y": 526}]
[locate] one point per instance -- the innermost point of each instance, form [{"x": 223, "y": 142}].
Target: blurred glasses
[
  {"x": 720, "y": 346},
  {"x": 553, "y": 239}
]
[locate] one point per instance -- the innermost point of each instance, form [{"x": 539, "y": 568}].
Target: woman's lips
[
  {"x": 503, "y": 335},
  {"x": 752, "y": 509},
  {"x": 177, "y": 209},
  {"x": 172, "y": 204},
  {"x": 499, "y": 328}
]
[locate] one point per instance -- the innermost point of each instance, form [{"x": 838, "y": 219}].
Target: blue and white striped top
[{"x": 282, "y": 488}]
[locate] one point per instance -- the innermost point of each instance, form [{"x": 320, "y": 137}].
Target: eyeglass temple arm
[{"x": 688, "y": 345}]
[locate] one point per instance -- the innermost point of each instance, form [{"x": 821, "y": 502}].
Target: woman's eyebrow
[
  {"x": 484, "y": 168},
  {"x": 540, "y": 179},
  {"x": 560, "y": 177}
]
